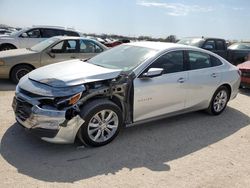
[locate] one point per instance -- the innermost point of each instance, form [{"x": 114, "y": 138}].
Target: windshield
[
  {"x": 191, "y": 42},
  {"x": 240, "y": 46},
  {"x": 124, "y": 57},
  {"x": 44, "y": 44}
]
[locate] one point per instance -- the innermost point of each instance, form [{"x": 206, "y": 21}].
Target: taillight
[{"x": 239, "y": 72}]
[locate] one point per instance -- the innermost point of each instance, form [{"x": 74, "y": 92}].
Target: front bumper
[{"x": 48, "y": 124}]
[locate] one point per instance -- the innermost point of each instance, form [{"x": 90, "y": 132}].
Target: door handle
[
  {"x": 73, "y": 57},
  {"x": 214, "y": 75},
  {"x": 181, "y": 80}
]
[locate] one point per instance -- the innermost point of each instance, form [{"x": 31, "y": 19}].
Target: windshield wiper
[
  {"x": 30, "y": 49},
  {"x": 85, "y": 60}
]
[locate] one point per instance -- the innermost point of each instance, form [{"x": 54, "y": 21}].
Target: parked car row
[
  {"x": 14, "y": 64},
  {"x": 110, "y": 42}
]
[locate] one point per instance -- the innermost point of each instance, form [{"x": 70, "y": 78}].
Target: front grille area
[{"x": 22, "y": 108}]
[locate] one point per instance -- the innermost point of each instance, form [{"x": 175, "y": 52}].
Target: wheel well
[
  {"x": 20, "y": 65},
  {"x": 229, "y": 89},
  {"x": 8, "y": 44},
  {"x": 113, "y": 99},
  {"x": 117, "y": 102}
]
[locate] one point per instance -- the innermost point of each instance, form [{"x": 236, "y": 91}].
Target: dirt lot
[{"x": 191, "y": 150}]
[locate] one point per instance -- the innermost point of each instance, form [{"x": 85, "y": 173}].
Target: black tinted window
[
  {"x": 198, "y": 60},
  {"x": 220, "y": 45},
  {"x": 71, "y": 33},
  {"x": 170, "y": 62},
  {"x": 47, "y": 33}
]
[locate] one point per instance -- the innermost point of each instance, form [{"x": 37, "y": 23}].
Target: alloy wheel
[{"x": 103, "y": 125}]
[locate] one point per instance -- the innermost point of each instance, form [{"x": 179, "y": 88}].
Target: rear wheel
[
  {"x": 219, "y": 101},
  {"x": 103, "y": 120},
  {"x": 19, "y": 71}
]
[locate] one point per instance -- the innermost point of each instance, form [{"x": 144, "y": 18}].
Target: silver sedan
[
  {"x": 16, "y": 63},
  {"x": 126, "y": 85}
]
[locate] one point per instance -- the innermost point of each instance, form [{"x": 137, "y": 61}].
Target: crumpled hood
[
  {"x": 15, "y": 52},
  {"x": 71, "y": 73}
]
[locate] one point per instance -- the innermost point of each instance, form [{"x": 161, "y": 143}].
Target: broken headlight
[{"x": 62, "y": 102}]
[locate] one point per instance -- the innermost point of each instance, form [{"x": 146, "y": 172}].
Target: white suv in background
[{"x": 28, "y": 37}]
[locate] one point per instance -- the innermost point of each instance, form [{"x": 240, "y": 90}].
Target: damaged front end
[{"x": 53, "y": 113}]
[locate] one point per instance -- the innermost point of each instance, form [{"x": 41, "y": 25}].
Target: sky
[{"x": 229, "y": 19}]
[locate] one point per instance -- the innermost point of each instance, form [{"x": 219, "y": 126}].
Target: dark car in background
[
  {"x": 216, "y": 45},
  {"x": 235, "y": 54},
  {"x": 238, "y": 52}
]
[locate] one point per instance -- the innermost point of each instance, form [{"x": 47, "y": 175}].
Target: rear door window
[
  {"x": 47, "y": 33},
  {"x": 198, "y": 60},
  {"x": 87, "y": 46},
  {"x": 66, "y": 46}
]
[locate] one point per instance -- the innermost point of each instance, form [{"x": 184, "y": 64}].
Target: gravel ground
[{"x": 191, "y": 150}]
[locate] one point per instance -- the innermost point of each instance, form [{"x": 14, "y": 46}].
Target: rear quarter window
[
  {"x": 215, "y": 61},
  {"x": 199, "y": 60}
]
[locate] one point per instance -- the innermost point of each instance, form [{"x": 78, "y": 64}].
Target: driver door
[
  {"x": 160, "y": 95},
  {"x": 62, "y": 51}
]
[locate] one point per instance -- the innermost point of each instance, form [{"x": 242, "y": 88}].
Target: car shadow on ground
[
  {"x": 151, "y": 145},
  {"x": 7, "y": 85},
  {"x": 245, "y": 91}
]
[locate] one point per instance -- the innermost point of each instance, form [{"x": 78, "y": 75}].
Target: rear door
[
  {"x": 203, "y": 78},
  {"x": 162, "y": 94}
]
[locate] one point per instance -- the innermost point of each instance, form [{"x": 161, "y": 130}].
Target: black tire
[
  {"x": 5, "y": 47},
  {"x": 212, "y": 109},
  {"x": 19, "y": 71},
  {"x": 92, "y": 109}
]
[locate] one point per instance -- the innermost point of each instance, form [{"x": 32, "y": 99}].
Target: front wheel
[
  {"x": 103, "y": 120},
  {"x": 19, "y": 71},
  {"x": 219, "y": 101}
]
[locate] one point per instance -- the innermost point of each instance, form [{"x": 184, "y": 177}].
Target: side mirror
[
  {"x": 50, "y": 53},
  {"x": 152, "y": 72},
  {"x": 24, "y": 35}
]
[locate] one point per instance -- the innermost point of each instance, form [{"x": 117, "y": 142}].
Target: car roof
[
  {"x": 160, "y": 46},
  {"x": 203, "y": 38},
  {"x": 65, "y": 37}
]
